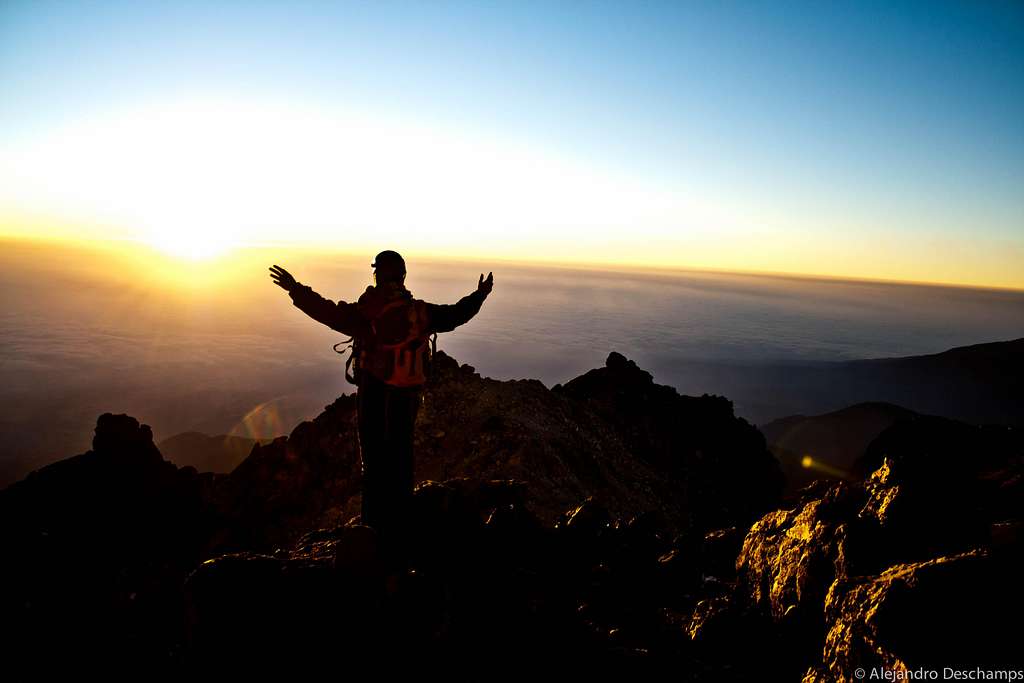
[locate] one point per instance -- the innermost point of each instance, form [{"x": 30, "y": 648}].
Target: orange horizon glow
[{"x": 193, "y": 265}]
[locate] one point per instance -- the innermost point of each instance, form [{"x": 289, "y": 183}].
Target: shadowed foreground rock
[
  {"x": 488, "y": 584},
  {"x": 815, "y": 591},
  {"x": 607, "y": 528},
  {"x": 955, "y": 611},
  {"x": 492, "y": 593},
  {"x": 103, "y": 542},
  {"x": 96, "y": 547}
]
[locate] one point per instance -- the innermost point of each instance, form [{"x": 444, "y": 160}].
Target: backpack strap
[
  {"x": 433, "y": 353},
  {"x": 350, "y": 375}
]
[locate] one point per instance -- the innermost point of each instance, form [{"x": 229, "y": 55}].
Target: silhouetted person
[{"x": 391, "y": 351}]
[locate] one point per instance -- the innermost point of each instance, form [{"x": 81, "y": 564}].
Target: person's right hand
[
  {"x": 487, "y": 285},
  {"x": 282, "y": 278}
]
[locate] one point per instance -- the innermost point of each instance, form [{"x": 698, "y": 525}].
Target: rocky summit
[{"x": 601, "y": 528}]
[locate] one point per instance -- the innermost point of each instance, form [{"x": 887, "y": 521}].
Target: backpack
[{"x": 399, "y": 348}]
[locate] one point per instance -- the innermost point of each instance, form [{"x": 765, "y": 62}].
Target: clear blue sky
[{"x": 884, "y": 119}]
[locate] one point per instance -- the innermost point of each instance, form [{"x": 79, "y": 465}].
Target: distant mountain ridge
[
  {"x": 836, "y": 440},
  {"x": 987, "y": 359},
  {"x": 979, "y": 384},
  {"x": 221, "y": 453}
]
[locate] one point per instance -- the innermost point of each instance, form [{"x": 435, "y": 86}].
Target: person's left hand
[
  {"x": 282, "y": 278},
  {"x": 485, "y": 286}
]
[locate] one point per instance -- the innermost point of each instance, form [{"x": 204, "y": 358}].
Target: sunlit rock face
[
  {"x": 791, "y": 557},
  {"x": 937, "y": 485},
  {"x": 954, "y": 611},
  {"x": 894, "y": 571}
]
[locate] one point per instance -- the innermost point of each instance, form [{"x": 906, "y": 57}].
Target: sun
[
  {"x": 192, "y": 242},
  {"x": 193, "y": 258}
]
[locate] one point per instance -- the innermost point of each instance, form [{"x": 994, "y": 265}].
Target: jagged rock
[
  {"x": 357, "y": 552},
  {"x": 310, "y": 479},
  {"x": 98, "y": 547},
  {"x": 788, "y": 561},
  {"x": 945, "y": 612},
  {"x": 697, "y": 439},
  {"x": 842, "y": 560},
  {"x": 1008, "y": 539},
  {"x": 513, "y": 457},
  {"x": 730, "y": 642},
  {"x": 938, "y": 486},
  {"x": 539, "y": 536},
  {"x": 711, "y": 614},
  {"x": 469, "y": 598},
  {"x": 674, "y": 455},
  {"x": 719, "y": 550},
  {"x": 789, "y": 558},
  {"x": 931, "y": 441},
  {"x": 921, "y": 514},
  {"x": 641, "y": 537},
  {"x": 588, "y": 519},
  {"x": 679, "y": 577},
  {"x": 250, "y": 612}
]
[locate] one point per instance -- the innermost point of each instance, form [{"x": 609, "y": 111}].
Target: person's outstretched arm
[
  {"x": 446, "y": 317},
  {"x": 340, "y": 316}
]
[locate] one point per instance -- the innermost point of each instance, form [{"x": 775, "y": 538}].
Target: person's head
[{"x": 389, "y": 266}]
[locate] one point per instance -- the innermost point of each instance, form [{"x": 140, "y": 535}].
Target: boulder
[{"x": 951, "y": 611}]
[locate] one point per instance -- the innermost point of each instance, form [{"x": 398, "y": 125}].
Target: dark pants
[{"x": 387, "y": 416}]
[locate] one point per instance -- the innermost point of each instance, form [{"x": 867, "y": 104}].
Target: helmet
[{"x": 389, "y": 265}]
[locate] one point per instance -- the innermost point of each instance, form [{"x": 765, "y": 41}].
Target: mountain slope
[{"x": 982, "y": 383}]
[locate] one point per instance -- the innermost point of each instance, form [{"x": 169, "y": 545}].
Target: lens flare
[
  {"x": 262, "y": 422},
  {"x": 809, "y": 463}
]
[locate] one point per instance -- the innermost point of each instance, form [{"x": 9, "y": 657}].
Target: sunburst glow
[
  {"x": 196, "y": 175},
  {"x": 192, "y": 243}
]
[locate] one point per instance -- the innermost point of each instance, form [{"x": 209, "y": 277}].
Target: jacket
[{"x": 352, "y": 319}]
